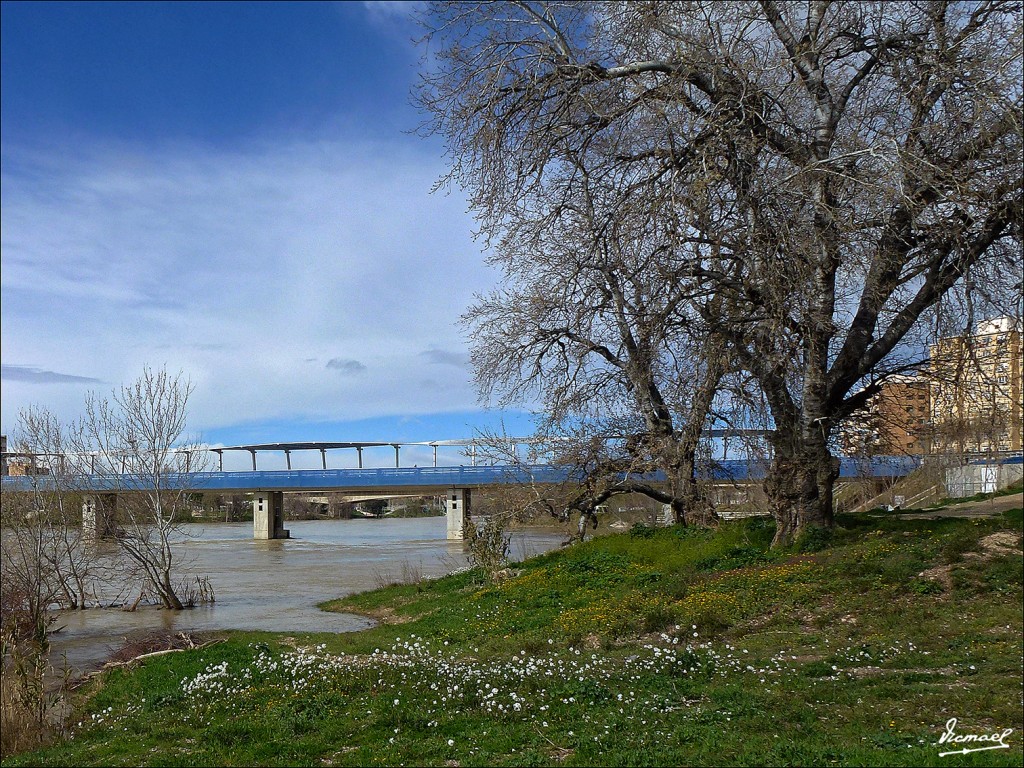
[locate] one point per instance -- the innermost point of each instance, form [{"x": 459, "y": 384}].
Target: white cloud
[
  {"x": 446, "y": 357},
  {"x": 243, "y": 269},
  {"x": 39, "y": 376},
  {"x": 392, "y": 11}
]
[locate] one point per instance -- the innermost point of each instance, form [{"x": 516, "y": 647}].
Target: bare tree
[
  {"x": 30, "y": 586},
  {"x": 56, "y": 500},
  {"x": 300, "y": 508},
  {"x": 821, "y": 177},
  {"x": 29, "y": 589},
  {"x": 524, "y": 498},
  {"x": 595, "y": 319},
  {"x": 135, "y": 441}
]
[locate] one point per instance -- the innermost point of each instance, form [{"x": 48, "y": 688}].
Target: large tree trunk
[
  {"x": 799, "y": 487},
  {"x": 691, "y": 505}
]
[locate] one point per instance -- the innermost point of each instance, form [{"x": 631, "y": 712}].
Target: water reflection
[{"x": 276, "y": 585}]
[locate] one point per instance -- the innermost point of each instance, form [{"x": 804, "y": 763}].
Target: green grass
[
  {"x": 654, "y": 647},
  {"x": 1009, "y": 490}
]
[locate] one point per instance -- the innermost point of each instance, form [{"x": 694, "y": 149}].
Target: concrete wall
[{"x": 981, "y": 478}]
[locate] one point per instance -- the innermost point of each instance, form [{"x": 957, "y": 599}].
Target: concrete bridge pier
[
  {"x": 268, "y": 515},
  {"x": 458, "y": 506},
  {"x": 98, "y": 512}
]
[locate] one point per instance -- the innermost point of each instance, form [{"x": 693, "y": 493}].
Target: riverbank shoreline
[
  {"x": 653, "y": 647},
  {"x": 278, "y": 585}
]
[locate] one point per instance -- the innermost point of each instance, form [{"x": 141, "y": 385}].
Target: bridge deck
[{"x": 419, "y": 479}]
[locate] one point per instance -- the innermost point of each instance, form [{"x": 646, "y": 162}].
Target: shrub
[
  {"x": 817, "y": 669},
  {"x": 658, "y": 616},
  {"x": 924, "y": 586},
  {"x": 814, "y": 539},
  {"x": 954, "y": 549},
  {"x": 641, "y": 531},
  {"x": 709, "y": 611},
  {"x": 736, "y": 557},
  {"x": 1015, "y": 517},
  {"x": 29, "y": 705},
  {"x": 488, "y": 544}
]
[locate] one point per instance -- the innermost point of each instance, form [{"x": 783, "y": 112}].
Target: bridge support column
[
  {"x": 98, "y": 515},
  {"x": 458, "y": 505},
  {"x": 268, "y": 515}
]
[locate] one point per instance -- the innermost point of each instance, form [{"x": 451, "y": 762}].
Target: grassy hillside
[{"x": 653, "y": 647}]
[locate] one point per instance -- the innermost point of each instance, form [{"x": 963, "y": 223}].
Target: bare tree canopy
[
  {"x": 805, "y": 183},
  {"x": 129, "y": 445},
  {"x": 136, "y": 440}
]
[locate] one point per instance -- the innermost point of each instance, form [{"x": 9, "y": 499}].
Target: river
[{"x": 276, "y": 585}]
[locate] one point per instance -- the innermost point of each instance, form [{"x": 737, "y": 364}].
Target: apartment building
[
  {"x": 894, "y": 421},
  {"x": 975, "y": 396}
]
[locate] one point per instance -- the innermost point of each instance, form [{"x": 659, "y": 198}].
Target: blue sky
[{"x": 232, "y": 190}]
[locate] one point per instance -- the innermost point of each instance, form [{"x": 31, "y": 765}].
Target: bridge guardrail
[{"x": 416, "y": 477}]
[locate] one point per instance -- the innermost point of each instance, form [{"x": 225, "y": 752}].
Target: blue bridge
[{"x": 268, "y": 486}]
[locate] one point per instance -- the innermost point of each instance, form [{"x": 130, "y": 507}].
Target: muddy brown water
[{"x": 276, "y": 585}]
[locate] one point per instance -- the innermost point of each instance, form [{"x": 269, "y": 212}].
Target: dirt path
[{"x": 985, "y": 508}]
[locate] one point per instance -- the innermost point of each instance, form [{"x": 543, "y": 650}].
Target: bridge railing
[
  {"x": 418, "y": 477},
  {"x": 303, "y": 479}
]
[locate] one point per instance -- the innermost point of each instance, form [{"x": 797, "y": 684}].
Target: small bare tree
[
  {"x": 30, "y": 587},
  {"x": 135, "y": 441},
  {"x": 56, "y": 499},
  {"x": 28, "y": 590}
]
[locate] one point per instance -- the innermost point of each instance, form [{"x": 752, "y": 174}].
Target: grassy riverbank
[{"x": 654, "y": 647}]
